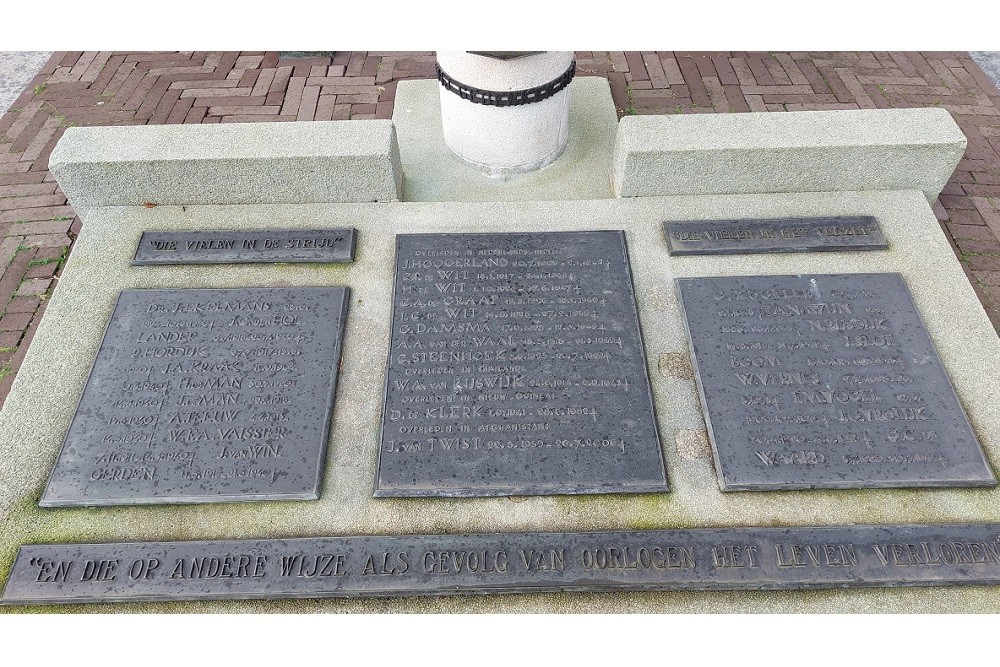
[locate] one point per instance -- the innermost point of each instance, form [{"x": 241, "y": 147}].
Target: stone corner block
[
  {"x": 239, "y": 163},
  {"x": 796, "y": 151}
]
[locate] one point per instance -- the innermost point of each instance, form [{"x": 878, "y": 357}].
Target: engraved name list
[
  {"x": 825, "y": 381},
  {"x": 516, "y": 367},
  {"x": 205, "y": 395}
]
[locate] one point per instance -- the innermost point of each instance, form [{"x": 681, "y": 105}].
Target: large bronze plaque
[
  {"x": 206, "y": 395},
  {"x": 516, "y": 367},
  {"x": 825, "y": 381}
]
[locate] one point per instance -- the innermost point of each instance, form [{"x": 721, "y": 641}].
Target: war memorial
[{"x": 507, "y": 353}]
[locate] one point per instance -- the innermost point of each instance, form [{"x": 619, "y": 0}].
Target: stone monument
[{"x": 692, "y": 354}]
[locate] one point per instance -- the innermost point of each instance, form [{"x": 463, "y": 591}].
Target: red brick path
[{"x": 37, "y": 227}]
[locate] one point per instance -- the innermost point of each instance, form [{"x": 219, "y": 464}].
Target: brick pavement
[{"x": 37, "y": 227}]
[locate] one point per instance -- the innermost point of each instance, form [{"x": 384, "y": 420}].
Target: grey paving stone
[
  {"x": 17, "y": 68},
  {"x": 989, "y": 61}
]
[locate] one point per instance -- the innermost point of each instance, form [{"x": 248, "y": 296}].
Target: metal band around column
[{"x": 506, "y": 98}]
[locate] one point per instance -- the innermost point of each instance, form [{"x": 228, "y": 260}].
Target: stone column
[{"x": 505, "y": 112}]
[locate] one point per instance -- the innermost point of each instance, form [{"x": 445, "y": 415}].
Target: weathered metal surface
[
  {"x": 516, "y": 367},
  {"x": 732, "y": 237},
  {"x": 407, "y": 565},
  {"x": 206, "y": 395},
  {"x": 825, "y": 381},
  {"x": 238, "y": 247}
]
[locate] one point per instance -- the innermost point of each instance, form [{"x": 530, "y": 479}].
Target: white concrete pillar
[{"x": 499, "y": 139}]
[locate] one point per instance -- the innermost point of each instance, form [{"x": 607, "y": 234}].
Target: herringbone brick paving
[{"x": 37, "y": 227}]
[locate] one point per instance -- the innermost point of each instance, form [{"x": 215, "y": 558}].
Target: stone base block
[
  {"x": 435, "y": 173},
  {"x": 807, "y": 151},
  {"x": 239, "y": 163},
  {"x": 45, "y": 393}
]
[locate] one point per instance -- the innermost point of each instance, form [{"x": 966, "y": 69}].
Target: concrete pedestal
[
  {"x": 505, "y": 139},
  {"x": 432, "y": 171}
]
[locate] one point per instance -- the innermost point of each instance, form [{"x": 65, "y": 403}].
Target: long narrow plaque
[
  {"x": 732, "y": 237},
  {"x": 407, "y": 565},
  {"x": 206, "y": 395},
  {"x": 516, "y": 367},
  {"x": 825, "y": 381},
  {"x": 236, "y": 247}
]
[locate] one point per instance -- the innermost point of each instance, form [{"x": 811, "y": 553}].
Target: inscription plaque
[
  {"x": 825, "y": 381},
  {"x": 516, "y": 367},
  {"x": 205, "y": 395},
  {"x": 406, "y": 565},
  {"x": 236, "y": 247},
  {"x": 733, "y": 237}
]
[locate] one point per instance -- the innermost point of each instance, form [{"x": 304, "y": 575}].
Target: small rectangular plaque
[
  {"x": 516, "y": 367},
  {"x": 792, "y": 558},
  {"x": 825, "y": 381},
  {"x": 733, "y": 237},
  {"x": 206, "y": 395},
  {"x": 237, "y": 247}
]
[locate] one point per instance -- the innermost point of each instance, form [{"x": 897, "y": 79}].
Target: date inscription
[
  {"x": 516, "y": 367},
  {"x": 825, "y": 381},
  {"x": 205, "y": 395}
]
